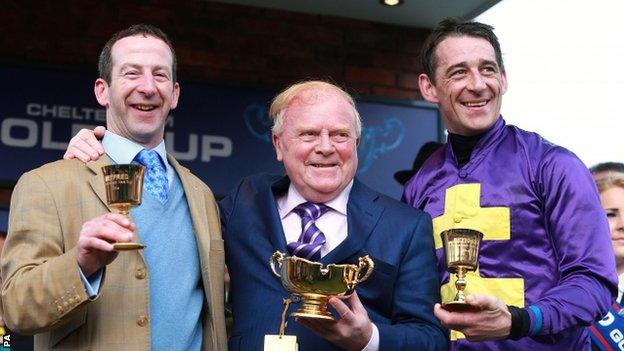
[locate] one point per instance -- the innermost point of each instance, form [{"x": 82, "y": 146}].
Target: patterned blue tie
[
  {"x": 309, "y": 243},
  {"x": 155, "y": 178}
]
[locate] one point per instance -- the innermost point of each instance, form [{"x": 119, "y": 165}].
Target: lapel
[
  {"x": 269, "y": 213},
  {"x": 97, "y": 181},
  {"x": 363, "y": 213},
  {"x": 195, "y": 201}
]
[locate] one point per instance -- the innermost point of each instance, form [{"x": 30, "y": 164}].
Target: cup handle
[
  {"x": 365, "y": 263},
  {"x": 276, "y": 261}
]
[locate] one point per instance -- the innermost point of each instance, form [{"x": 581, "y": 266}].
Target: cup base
[
  {"x": 128, "y": 246},
  {"x": 458, "y": 306},
  {"x": 327, "y": 316}
]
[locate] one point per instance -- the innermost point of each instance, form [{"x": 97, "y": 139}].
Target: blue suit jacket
[{"x": 399, "y": 295}]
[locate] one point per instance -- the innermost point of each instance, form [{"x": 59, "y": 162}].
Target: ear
[
  {"x": 503, "y": 83},
  {"x": 278, "y": 147},
  {"x": 101, "y": 92},
  {"x": 176, "y": 95},
  {"x": 427, "y": 89}
]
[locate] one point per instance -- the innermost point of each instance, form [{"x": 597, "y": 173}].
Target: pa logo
[{"x": 5, "y": 340}]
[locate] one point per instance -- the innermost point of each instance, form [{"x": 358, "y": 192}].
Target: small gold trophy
[
  {"x": 313, "y": 284},
  {"x": 124, "y": 188},
  {"x": 461, "y": 248}
]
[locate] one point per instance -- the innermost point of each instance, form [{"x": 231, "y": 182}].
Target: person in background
[
  {"x": 611, "y": 189},
  {"x": 606, "y": 168},
  {"x": 63, "y": 279},
  {"x": 546, "y": 269},
  {"x": 423, "y": 153}
]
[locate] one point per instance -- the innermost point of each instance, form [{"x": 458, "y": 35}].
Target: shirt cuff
[
  {"x": 92, "y": 284},
  {"x": 373, "y": 343},
  {"x": 535, "y": 315}
]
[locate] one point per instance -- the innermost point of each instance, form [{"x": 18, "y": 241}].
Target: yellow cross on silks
[{"x": 462, "y": 209}]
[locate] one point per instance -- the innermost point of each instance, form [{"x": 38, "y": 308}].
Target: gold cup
[
  {"x": 314, "y": 284},
  {"x": 461, "y": 248},
  {"x": 124, "y": 188}
]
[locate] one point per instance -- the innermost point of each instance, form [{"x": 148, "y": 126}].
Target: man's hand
[
  {"x": 85, "y": 145},
  {"x": 94, "y": 248},
  {"x": 351, "y": 332},
  {"x": 490, "y": 320}
]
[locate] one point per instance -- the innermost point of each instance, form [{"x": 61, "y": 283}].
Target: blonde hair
[
  {"x": 610, "y": 180},
  {"x": 301, "y": 92}
]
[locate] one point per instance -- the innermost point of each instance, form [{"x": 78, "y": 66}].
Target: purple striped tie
[{"x": 309, "y": 244}]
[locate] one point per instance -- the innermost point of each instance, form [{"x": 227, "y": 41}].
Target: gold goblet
[
  {"x": 461, "y": 248},
  {"x": 124, "y": 188},
  {"x": 314, "y": 284}
]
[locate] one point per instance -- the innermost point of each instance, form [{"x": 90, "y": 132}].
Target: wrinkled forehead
[
  {"x": 142, "y": 48},
  {"x": 463, "y": 48},
  {"x": 314, "y": 97}
]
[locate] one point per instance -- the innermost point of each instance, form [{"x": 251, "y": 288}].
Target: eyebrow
[
  {"x": 453, "y": 67},
  {"x": 338, "y": 129},
  {"x": 464, "y": 64},
  {"x": 489, "y": 62},
  {"x": 138, "y": 65}
]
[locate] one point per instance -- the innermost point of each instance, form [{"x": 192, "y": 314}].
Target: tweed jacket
[{"x": 43, "y": 293}]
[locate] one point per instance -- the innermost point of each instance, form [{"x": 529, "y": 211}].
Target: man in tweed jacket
[{"x": 63, "y": 281}]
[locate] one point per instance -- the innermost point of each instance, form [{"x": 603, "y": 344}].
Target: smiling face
[
  {"x": 142, "y": 90},
  {"x": 612, "y": 200},
  {"x": 468, "y": 85},
  {"x": 317, "y": 144}
]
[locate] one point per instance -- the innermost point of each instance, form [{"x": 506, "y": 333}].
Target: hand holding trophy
[
  {"x": 461, "y": 248},
  {"x": 124, "y": 188}
]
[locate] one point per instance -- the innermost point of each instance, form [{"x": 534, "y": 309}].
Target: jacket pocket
[{"x": 378, "y": 290}]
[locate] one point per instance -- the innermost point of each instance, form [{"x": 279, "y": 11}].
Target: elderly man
[
  {"x": 316, "y": 132},
  {"x": 63, "y": 279},
  {"x": 546, "y": 268}
]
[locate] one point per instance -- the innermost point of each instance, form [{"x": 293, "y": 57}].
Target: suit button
[
  {"x": 457, "y": 219},
  {"x": 139, "y": 273},
  {"x": 142, "y": 321}
]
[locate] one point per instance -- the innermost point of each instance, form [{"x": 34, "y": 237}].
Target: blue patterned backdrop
[{"x": 221, "y": 133}]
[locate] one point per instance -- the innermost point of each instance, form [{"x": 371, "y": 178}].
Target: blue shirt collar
[{"x": 122, "y": 151}]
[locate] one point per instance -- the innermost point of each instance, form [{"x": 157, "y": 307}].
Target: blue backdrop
[{"x": 221, "y": 133}]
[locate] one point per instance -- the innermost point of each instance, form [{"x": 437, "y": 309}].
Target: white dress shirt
[{"x": 333, "y": 223}]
